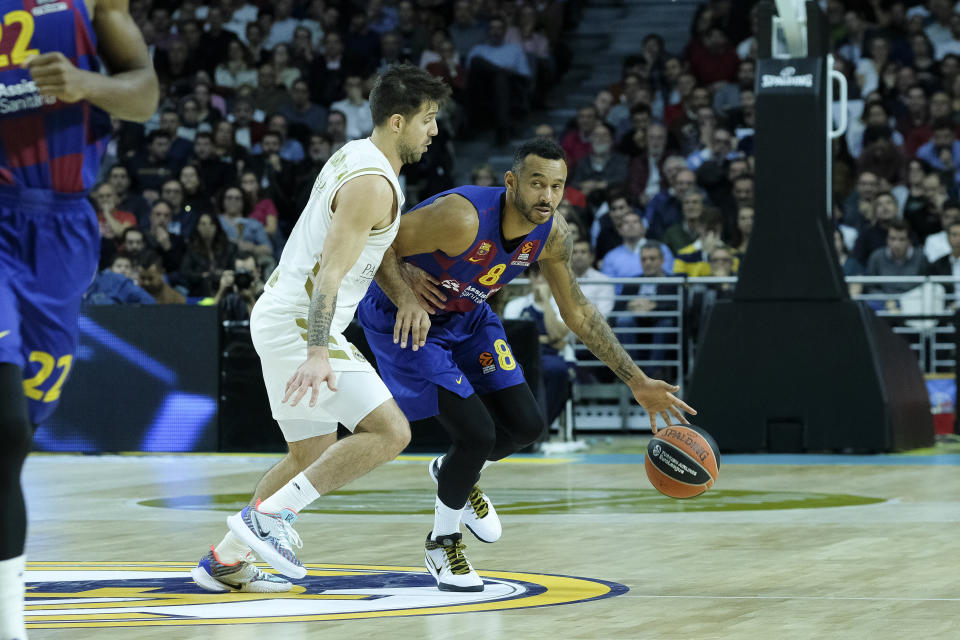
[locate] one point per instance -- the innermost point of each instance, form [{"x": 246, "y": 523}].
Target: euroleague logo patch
[
  {"x": 486, "y": 362},
  {"x": 63, "y": 595}
]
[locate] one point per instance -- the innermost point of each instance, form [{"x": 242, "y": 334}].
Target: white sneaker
[
  {"x": 479, "y": 516},
  {"x": 449, "y": 566},
  {"x": 270, "y": 537},
  {"x": 212, "y": 575}
]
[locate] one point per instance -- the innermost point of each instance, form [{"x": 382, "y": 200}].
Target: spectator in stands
[
  {"x": 645, "y": 180},
  {"x": 183, "y": 218},
  {"x": 949, "y": 263},
  {"x": 132, "y": 244},
  {"x": 337, "y": 129},
  {"x": 717, "y": 61},
  {"x": 898, "y": 258},
  {"x": 113, "y": 221},
  {"x": 391, "y": 53},
  {"x": 540, "y": 307},
  {"x": 916, "y": 115},
  {"x": 687, "y": 230},
  {"x": 413, "y": 33},
  {"x": 283, "y": 25},
  {"x": 302, "y": 114},
  {"x": 727, "y": 96},
  {"x": 247, "y": 131},
  {"x": 269, "y": 95},
  {"x": 211, "y": 108},
  {"x": 115, "y": 286},
  {"x": 526, "y": 33},
  {"x": 305, "y": 173},
  {"x": 213, "y": 172},
  {"x": 466, "y": 31},
  {"x": 665, "y": 209},
  {"x": 694, "y": 120},
  {"x": 644, "y": 298},
  {"x": 604, "y": 234},
  {"x": 498, "y": 81},
  {"x": 718, "y": 151},
  {"x": 581, "y": 262},
  {"x": 260, "y": 207},
  {"x": 127, "y": 199},
  {"x": 942, "y": 152},
  {"x": 149, "y": 168},
  {"x": 694, "y": 259},
  {"x": 175, "y": 67},
  {"x": 209, "y": 252},
  {"x": 925, "y": 218},
  {"x": 255, "y": 45},
  {"x": 432, "y": 52},
  {"x": 236, "y": 70},
  {"x": 180, "y": 147},
  {"x": 603, "y": 167},
  {"x": 450, "y": 67},
  {"x": 328, "y": 72},
  {"x": 874, "y": 236},
  {"x": 290, "y": 148},
  {"x": 741, "y": 237},
  {"x": 356, "y": 108},
  {"x": 576, "y": 143},
  {"x": 858, "y": 207},
  {"x": 195, "y": 194},
  {"x": 482, "y": 176},
  {"x": 160, "y": 241},
  {"x": 239, "y": 288},
  {"x": 248, "y": 233},
  {"x": 215, "y": 42},
  {"x": 912, "y": 196},
  {"x": 153, "y": 280},
  {"x": 282, "y": 61},
  {"x": 304, "y": 49},
  {"x": 848, "y": 264},
  {"x": 624, "y": 261},
  {"x": 937, "y": 244}
]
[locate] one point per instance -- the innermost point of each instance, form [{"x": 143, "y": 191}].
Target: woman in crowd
[{"x": 209, "y": 253}]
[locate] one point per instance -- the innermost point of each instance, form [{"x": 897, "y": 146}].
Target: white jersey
[{"x": 294, "y": 279}]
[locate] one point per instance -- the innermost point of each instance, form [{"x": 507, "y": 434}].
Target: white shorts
[{"x": 278, "y": 331}]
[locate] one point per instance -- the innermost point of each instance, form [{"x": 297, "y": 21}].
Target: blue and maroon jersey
[
  {"x": 473, "y": 276},
  {"x": 45, "y": 143}
]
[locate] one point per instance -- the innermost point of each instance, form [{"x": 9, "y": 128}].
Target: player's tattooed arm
[
  {"x": 578, "y": 313},
  {"x": 319, "y": 319}
]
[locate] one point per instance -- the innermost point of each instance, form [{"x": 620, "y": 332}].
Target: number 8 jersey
[{"x": 45, "y": 143}]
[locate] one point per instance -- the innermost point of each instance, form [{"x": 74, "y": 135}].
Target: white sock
[
  {"x": 445, "y": 519},
  {"x": 231, "y": 549},
  {"x": 293, "y": 496},
  {"x": 11, "y": 598}
]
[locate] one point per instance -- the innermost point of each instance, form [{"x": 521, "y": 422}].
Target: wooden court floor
[{"x": 782, "y": 547}]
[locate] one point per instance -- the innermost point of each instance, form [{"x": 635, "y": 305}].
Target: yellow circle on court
[{"x": 70, "y": 595}]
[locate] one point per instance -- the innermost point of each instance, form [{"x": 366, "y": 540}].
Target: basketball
[{"x": 682, "y": 461}]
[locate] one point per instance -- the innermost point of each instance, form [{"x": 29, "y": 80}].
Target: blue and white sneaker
[
  {"x": 243, "y": 576},
  {"x": 271, "y": 537},
  {"x": 479, "y": 516}
]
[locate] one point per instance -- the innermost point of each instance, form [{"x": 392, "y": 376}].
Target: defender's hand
[
  {"x": 424, "y": 286},
  {"x": 656, "y": 396},
  {"x": 55, "y": 75}
]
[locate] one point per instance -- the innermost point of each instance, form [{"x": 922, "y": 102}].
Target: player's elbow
[{"x": 146, "y": 99}]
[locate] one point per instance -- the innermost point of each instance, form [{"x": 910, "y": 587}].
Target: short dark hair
[
  {"x": 403, "y": 89},
  {"x": 652, "y": 245},
  {"x": 203, "y": 134},
  {"x": 898, "y": 225},
  {"x": 542, "y": 147},
  {"x": 128, "y": 231},
  {"x": 244, "y": 255},
  {"x": 950, "y": 204},
  {"x": 151, "y": 258}
]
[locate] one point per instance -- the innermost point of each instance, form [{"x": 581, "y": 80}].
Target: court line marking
[{"x": 633, "y": 594}]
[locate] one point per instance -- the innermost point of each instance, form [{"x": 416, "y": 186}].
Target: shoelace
[
  {"x": 478, "y": 503},
  {"x": 458, "y": 561},
  {"x": 291, "y": 535}
]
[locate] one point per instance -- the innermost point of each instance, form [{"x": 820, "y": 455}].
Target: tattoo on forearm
[
  {"x": 597, "y": 335},
  {"x": 322, "y": 308}
]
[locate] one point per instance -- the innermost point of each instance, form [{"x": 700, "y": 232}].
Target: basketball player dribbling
[
  {"x": 54, "y": 121},
  {"x": 468, "y": 242},
  {"x": 329, "y": 261}
]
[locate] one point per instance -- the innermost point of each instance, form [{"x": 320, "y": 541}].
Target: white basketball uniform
[{"x": 278, "y": 324}]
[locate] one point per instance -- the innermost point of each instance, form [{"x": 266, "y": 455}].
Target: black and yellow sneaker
[
  {"x": 447, "y": 563},
  {"x": 479, "y": 516}
]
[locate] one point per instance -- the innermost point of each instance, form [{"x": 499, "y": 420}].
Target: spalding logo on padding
[{"x": 64, "y": 595}]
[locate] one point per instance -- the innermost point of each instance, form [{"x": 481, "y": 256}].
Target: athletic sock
[
  {"x": 11, "y": 598},
  {"x": 445, "y": 519},
  {"x": 231, "y": 549},
  {"x": 293, "y": 496}
]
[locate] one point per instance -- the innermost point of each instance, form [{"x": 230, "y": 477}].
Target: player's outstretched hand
[
  {"x": 314, "y": 371},
  {"x": 55, "y": 75},
  {"x": 413, "y": 321},
  {"x": 656, "y": 396},
  {"x": 424, "y": 286}
]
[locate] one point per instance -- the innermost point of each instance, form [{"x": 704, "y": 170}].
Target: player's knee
[
  {"x": 528, "y": 425},
  {"x": 398, "y": 434},
  {"x": 480, "y": 441},
  {"x": 16, "y": 436}
]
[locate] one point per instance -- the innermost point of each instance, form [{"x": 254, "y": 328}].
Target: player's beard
[
  {"x": 409, "y": 154},
  {"x": 527, "y": 211}
]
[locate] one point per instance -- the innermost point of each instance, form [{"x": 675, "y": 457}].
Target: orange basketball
[{"x": 682, "y": 461}]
